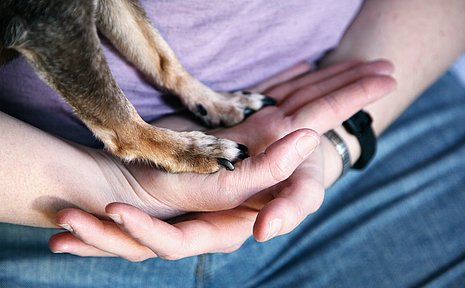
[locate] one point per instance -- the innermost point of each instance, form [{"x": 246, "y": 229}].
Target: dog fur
[{"x": 59, "y": 39}]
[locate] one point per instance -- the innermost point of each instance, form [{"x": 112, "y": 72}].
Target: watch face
[{"x": 359, "y": 125}]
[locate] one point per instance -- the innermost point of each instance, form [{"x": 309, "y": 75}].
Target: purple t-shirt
[{"x": 229, "y": 45}]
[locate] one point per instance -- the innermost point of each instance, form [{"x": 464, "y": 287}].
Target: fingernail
[
  {"x": 58, "y": 252},
  {"x": 275, "y": 227},
  {"x": 66, "y": 226},
  {"x": 116, "y": 218},
  {"x": 306, "y": 144}
]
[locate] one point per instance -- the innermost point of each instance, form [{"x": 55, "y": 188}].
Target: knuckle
[{"x": 277, "y": 171}]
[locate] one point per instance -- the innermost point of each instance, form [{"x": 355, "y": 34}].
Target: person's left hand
[{"x": 321, "y": 100}]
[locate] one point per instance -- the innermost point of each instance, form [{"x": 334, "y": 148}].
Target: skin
[{"x": 136, "y": 236}]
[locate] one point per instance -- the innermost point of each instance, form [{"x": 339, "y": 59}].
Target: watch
[{"x": 359, "y": 125}]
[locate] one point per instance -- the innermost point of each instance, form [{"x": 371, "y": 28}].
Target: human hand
[
  {"x": 310, "y": 101},
  {"x": 349, "y": 88},
  {"x": 90, "y": 232}
]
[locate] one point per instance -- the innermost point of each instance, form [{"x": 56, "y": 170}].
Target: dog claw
[
  {"x": 268, "y": 101},
  {"x": 242, "y": 147},
  {"x": 243, "y": 154},
  {"x": 248, "y": 112},
  {"x": 226, "y": 164},
  {"x": 201, "y": 110}
]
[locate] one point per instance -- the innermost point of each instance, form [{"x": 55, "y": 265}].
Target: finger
[
  {"x": 219, "y": 232},
  {"x": 313, "y": 90},
  {"x": 284, "y": 76},
  {"x": 226, "y": 189},
  {"x": 329, "y": 111},
  {"x": 295, "y": 199},
  {"x": 280, "y": 92},
  {"x": 103, "y": 235},
  {"x": 274, "y": 165},
  {"x": 66, "y": 242}
]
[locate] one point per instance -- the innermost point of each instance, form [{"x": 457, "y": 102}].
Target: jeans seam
[{"x": 200, "y": 271}]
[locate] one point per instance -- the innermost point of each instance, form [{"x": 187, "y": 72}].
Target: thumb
[{"x": 276, "y": 164}]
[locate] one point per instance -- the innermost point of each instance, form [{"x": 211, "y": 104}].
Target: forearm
[
  {"x": 41, "y": 174},
  {"x": 421, "y": 38}
]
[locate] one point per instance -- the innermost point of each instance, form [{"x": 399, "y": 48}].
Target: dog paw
[
  {"x": 178, "y": 152},
  {"x": 202, "y": 153},
  {"x": 228, "y": 109}
]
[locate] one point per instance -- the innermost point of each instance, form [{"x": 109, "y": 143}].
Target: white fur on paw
[
  {"x": 212, "y": 146},
  {"x": 222, "y": 151},
  {"x": 227, "y": 109}
]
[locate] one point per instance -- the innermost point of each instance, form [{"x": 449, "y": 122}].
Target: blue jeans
[{"x": 399, "y": 223}]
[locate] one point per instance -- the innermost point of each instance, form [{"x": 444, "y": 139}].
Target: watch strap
[{"x": 359, "y": 125}]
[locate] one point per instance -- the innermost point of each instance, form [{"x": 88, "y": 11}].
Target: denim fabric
[{"x": 399, "y": 223}]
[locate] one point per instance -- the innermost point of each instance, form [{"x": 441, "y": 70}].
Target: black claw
[
  {"x": 226, "y": 164},
  {"x": 248, "y": 112},
  {"x": 242, "y": 147},
  {"x": 243, "y": 155},
  {"x": 246, "y": 93},
  {"x": 268, "y": 101},
  {"x": 201, "y": 110}
]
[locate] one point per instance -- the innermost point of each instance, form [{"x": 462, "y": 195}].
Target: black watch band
[{"x": 359, "y": 125}]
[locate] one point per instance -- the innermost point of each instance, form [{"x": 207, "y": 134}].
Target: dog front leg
[
  {"x": 124, "y": 22},
  {"x": 69, "y": 58}
]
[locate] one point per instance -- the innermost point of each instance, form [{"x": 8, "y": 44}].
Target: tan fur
[
  {"x": 82, "y": 76},
  {"x": 171, "y": 151}
]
